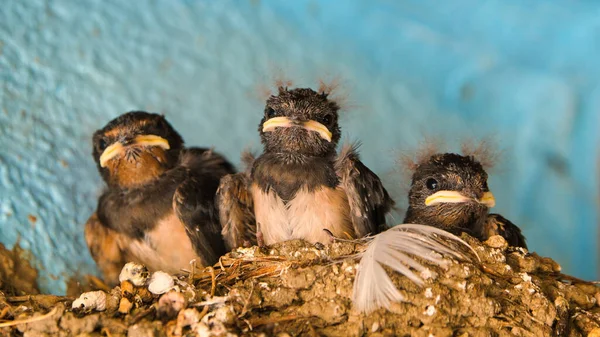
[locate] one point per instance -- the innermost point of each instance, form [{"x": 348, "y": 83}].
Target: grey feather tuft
[{"x": 373, "y": 288}]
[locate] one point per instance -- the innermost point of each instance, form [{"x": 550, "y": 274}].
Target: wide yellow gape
[
  {"x": 284, "y": 122},
  {"x": 456, "y": 197},
  {"x": 142, "y": 140}
]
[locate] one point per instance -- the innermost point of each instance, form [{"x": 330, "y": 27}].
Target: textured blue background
[{"x": 526, "y": 72}]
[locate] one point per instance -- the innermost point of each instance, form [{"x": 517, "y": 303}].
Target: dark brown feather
[
  {"x": 496, "y": 224},
  {"x": 105, "y": 247},
  {"x": 369, "y": 201},
  {"x": 193, "y": 200},
  {"x": 236, "y": 211}
]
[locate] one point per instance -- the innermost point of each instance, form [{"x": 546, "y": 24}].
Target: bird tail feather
[{"x": 373, "y": 288}]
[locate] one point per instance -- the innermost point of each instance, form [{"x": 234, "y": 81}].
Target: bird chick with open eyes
[
  {"x": 450, "y": 191},
  {"x": 158, "y": 209},
  {"x": 300, "y": 188}
]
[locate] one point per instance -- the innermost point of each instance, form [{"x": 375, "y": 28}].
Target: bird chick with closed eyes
[
  {"x": 300, "y": 187},
  {"x": 450, "y": 191},
  {"x": 158, "y": 208}
]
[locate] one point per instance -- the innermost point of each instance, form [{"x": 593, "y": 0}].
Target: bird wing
[
  {"x": 369, "y": 201},
  {"x": 105, "y": 248},
  {"x": 496, "y": 224},
  {"x": 193, "y": 201},
  {"x": 236, "y": 211}
]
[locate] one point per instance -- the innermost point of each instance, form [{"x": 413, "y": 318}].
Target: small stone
[
  {"x": 134, "y": 273},
  {"x": 113, "y": 300},
  {"x": 170, "y": 304},
  {"x": 125, "y": 305},
  {"x": 77, "y": 326},
  {"x": 145, "y": 329},
  {"x": 430, "y": 310},
  {"x": 127, "y": 288},
  {"x": 187, "y": 317},
  {"x": 496, "y": 241},
  {"x": 160, "y": 283},
  {"x": 93, "y": 300},
  {"x": 145, "y": 295}
]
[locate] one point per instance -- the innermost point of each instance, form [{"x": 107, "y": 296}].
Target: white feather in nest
[{"x": 373, "y": 288}]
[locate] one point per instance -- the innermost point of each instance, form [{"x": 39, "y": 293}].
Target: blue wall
[{"x": 525, "y": 72}]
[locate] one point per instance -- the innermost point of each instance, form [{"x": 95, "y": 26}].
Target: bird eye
[
  {"x": 326, "y": 120},
  {"x": 485, "y": 186},
  {"x": 271, "y": 112},
  {"x": 102, "y": 144},
  {"x": 431, "y": 184}
]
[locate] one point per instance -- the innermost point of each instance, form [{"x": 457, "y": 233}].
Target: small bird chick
[
  {"x": 158, "y": 209},
  {"x": 300, "y": 186},
  {"x": 450, "y": 191}
]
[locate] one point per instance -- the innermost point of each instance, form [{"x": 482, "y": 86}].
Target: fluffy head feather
[
  {"x": 483, "y": 150},
  {"x": 396, "y": 248}
]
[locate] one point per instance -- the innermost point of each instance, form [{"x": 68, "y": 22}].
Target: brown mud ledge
[{"x": 297, "y": 289}]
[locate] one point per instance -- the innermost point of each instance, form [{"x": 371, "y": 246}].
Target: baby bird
[
  {"x": 158, "y": 209},
  {"x": 300, "y": 188},
  {"x": 450, "y": 191}
]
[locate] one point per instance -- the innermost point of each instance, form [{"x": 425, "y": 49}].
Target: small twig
[
  {"x": 192, "y": 273},
  {"x": 573, "y": 279},
  {"x": 312, "y": 330},
  {"x": 203, "y": 312},
  {"x": 213, "y": 301},
  {"x": 245, "y": 307},
  {"x": 4, "y": 312},
  {"x": 335, "y": 238},
  {"x": 221, "y": 264},
  {"x": 98, "y": 283},
  {"x": 247, "y": 322},
  {"x": 31, "y": 319},
  {"x": 263, "y": 321},
  {"x": 142, "y": 314},
  {"x": 106, "y": 332},
  {"x": 38, "y": 298},
  {"x": 213, "y": 286},
  {"x": 14, "y": 299}
]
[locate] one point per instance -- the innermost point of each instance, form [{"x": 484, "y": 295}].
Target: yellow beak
[
  {"x": 142, "y": 140},
  {"x": 284, "y": 122},
  {"x": 488, "y": 199},
  {"x": 456, "y": 197},
  {"x": 319, "y": 128}
]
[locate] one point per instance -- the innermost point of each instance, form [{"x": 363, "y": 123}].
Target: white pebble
[
  {"x": 426, "y": 274},
  {"x": 172, "y": 301},
  {"x": 93, "y": 300},
  {"x": 430, "y": 310},
  {"x": 160, "y": 283},
  {"x": 134, "y": 273}
]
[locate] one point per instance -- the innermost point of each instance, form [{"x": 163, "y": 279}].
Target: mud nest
[{"x": 298, "y": 289}]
